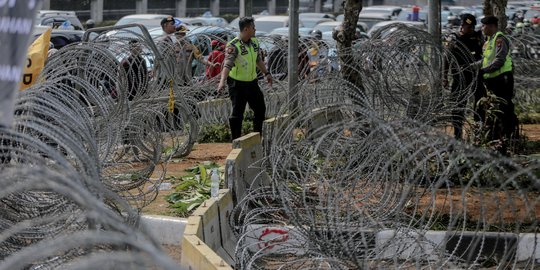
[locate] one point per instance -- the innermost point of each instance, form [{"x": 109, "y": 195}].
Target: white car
[
  {"x": 54, "y": 18},
  {"x": 330, "y": 26},
  {"x": 419, "y": 25},
  {"x": 284, "y": 31},
  {"x": 269, "y": 23},
  {"x": 316, "y": 15},
  {"x": 139, "y": 18}
]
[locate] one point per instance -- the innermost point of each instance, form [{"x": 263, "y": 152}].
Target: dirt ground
[
  {"x": 216, "y": 152},
  {"x": 532, "y": 132}
]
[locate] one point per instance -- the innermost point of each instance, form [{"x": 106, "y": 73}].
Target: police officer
[
  {"x": 242, "y": 57},
  {"x": 466, "y": 49},
  {"x": 188, "y": 51},
  {"x": 498, "y": 77}
]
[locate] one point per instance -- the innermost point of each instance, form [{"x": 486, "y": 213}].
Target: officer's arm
[
  {"x": 199, "y": 56},
  {"x": 228, "y": 63},
  {"x": 500, "y": 55},
  {"x": 261, "y": 65}
]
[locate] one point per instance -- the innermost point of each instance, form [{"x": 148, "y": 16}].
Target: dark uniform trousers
[
  {"x": 458, "y": 95},
  {"x": 506, "y": 122},
  {"x": 242, "y": 93}
]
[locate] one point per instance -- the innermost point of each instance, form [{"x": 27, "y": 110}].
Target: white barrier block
[{"x": 167, "y": 230}]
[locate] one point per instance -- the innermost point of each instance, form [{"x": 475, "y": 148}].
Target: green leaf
[
  {"x": 186, "y": 185},
  {"x": 202, "y": 169},
  {"x": 174, "y": 197},
  {"x": 193, "y": 205},
  {"x": 193, "y": 170}
]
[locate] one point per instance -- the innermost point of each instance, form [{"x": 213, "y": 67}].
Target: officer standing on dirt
[
  {"x": 497, "y": 70},
  {"x": 466, "y": 49},
  {"x": 242, "y": 57}
]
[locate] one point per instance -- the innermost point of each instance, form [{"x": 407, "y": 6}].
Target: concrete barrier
[
  {"x": 243, "y": 166},
  {"x": 167, "y": 230},
  {"x": 270, "y": 126},
  {"x": 206, "y": 231}
]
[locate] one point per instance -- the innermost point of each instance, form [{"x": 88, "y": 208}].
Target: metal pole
[
  {"x": 272, "y": 7},
  {"x": 249, "y": 8},
  {"x": 96, "y": 10},
  {"x": 141, "y": 6},
  {"x": 434, "y": 20},
  {"x": 293, "y": 54},
  {"x": 434, "y": 27},
  {"x": 181, "y": 8},
  {"x": 214, "y": 7},
  {"x": 318, "y": 6}
]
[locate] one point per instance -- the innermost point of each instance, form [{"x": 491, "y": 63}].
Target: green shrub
[
  {"x": 215, "y": 134},
  {"x": 529, "y": 118},
  {"x": 219, "y": 133}
]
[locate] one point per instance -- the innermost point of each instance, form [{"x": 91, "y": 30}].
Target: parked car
[
  {"x": 269, "y": 23},
  {"x": 150, "y": 21},
  {"x": 284, "y": 31},
  {"x": 419, "y": 25},
  {"x": 392, "y": 11},
  {"x": 330, "y": 26},
  {"x": 210, "y": 20},
  {"x": 456, "y": 10},
  {"x": 327, "y": 26},
  {"x": 371, "y": 19},
  {"x": 234, "y": 23},
  {"x": 316, "y": 15},
  {"x": 59, "y": 37},
  {"x": 55, "y": 18},
  {"x": 407, "y": 15},
  {"x": 139, "y": 18},
  {"x": 311, "y": 22}
]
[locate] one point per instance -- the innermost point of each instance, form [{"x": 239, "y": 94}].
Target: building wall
[{"x": 114, "y": 9}]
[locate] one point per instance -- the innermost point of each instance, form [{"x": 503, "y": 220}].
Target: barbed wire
[
  {"x": 80, "y": 162},
  {"x": 361, "y": 175},
  {"x": 92, "y": 138}
]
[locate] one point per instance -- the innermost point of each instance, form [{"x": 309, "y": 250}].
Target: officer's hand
[
  {"x": 221, "y": 87},
  {"x": 269, "y": 79}
]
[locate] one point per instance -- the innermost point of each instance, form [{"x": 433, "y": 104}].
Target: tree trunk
[
  {"x": 488, "y": 9},
  {"x": 496, "y": 8},
  {"x": 344, "y": 37},
  {"x": 499, "y": 11}
]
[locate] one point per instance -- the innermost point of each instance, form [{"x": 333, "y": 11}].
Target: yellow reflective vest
[
  {"x": 245, "y": 64},
  {"x": 489, "y": 57}
]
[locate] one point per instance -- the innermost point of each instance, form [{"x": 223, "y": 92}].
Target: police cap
[
  {"x": 468, "y": 19},
  {"x": 490, "y": 20},
  {"x": 166, "y": 20}
]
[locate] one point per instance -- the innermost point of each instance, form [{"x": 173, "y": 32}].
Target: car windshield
[{"x": 57, "y": 21}]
